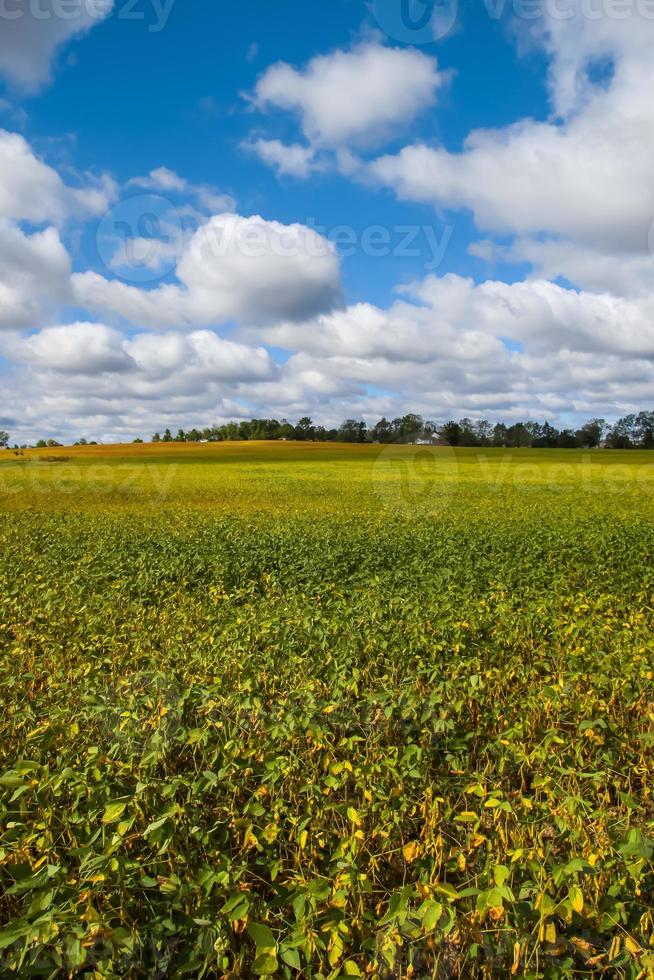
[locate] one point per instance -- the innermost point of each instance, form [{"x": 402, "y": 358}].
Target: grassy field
[{"x": 326, "y": 711}]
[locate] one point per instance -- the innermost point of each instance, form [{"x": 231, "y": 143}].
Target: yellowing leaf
[
  {"x": 516, "y": 959},
  {"x": 113, "y": 812},
  {"x": 576, "y": 898}
]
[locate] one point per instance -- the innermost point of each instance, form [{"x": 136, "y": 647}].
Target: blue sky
[
  {"x": 467, "y": 235},
  {"x": 177, "y": 99}
]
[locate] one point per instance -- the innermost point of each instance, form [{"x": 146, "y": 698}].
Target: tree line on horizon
[
  {"x": 635, "y": 431},
  {"x": 630, "y": 432}
]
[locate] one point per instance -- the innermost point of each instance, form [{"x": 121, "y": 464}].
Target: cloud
[
  {"x": 34, "y": 265},
  {"x": 355, "y": 97},
  {"x": 440, "y": 349},
  {"x": 201, "y": 356},
  {"x": 288, "y": 159},
  {"x": 446, "y": 349},
  {"x": 578, "y": 181},
  {"x": 168, "y": 182},
  {"x": 85, "y": 350},
  {"x": 585, "y": 44},
  {"x": 32, "y": 34},
  {"x": 588, "y": 268},
  {"x": 72, "y": 349},
  {"x": 34, "y": 277},
  {"x": 246, "y": 269},
  {"x": 581, "y": 179},
  {"x": 90, "y": 379},
  {"x": 30, "y": 190}
]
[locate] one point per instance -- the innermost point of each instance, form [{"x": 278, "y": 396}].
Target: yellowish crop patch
[{"x": 325, "y": 711}]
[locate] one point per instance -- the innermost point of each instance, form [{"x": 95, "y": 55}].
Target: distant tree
[
  {"x": 408, "y": 429},
  {"x": 644, "y": 429},
  {"x": 550, "y": 436},
  {"x": 167, "y": 436},
  {"x": 535, "y": 430},
  {"x": 230, "y": 432},
  {"x": 286, "y": 430},
  {"x": 181, "y": 436},
  {"x": 499, "y": 435},
  {"x": 264, "y": 429},
  {"x": 484, "y": 433},
  {"x": 468, "y": 433},
  {"x": 567, "y": 439},
  {"x": 53, "y": 444},
  {"x": 622, "y": 435},
  {"x": 517, "y": 436},
  {"x": 543, "y": 436},
  {"x": 451, "y": 433},
  {"x": 4, "y": 438},
  {"x": 305, "y": 429},
  {"x": 382, "y": 431},
  {"x": 352, "y": 431},
  {"x": 590, "y": 435},
  {"x": 137, "y": 442},
  {"x": 156, "y": 437}
]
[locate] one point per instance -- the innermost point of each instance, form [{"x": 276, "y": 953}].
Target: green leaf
[
  {"x": 11, "y": 780},
  {"x": 17, "y": 930},
  {"x": 265, "y": 965},
  {"x": 113, "y": 813},
  {"x": 262, "y": 937},
  {"x": 500, "y": 874},
  {"x": 432, "y": 912},
  {"x": 75, "y": 952},
  {"x": 450, "y": 893},
  {"x": 292, "y": 958}
]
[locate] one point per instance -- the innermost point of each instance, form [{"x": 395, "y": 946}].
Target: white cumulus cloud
[
  {"x": 353, "y": 97},
  {"x": 234, "y": 267}
]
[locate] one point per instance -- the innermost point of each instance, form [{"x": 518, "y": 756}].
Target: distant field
[{"x": 326, "y": 711}]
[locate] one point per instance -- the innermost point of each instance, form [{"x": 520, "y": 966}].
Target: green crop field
[{"x": 326, "y": 711}]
